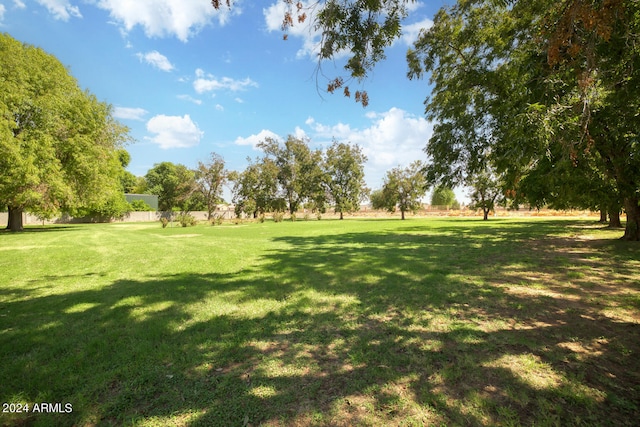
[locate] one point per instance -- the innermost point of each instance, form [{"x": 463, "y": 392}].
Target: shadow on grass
[
  {"x": 37, "y": 229},
  {"x": 478, "y": 326}
]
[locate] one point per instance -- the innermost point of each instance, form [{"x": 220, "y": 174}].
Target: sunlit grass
[{"x": 355, "y": 322}]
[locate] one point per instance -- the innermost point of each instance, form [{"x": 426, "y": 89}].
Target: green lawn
[{"x": 354, "y": 322}]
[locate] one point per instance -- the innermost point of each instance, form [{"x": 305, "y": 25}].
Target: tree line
[
  {"x": 534, "y": 102},
  {"x": 538, "y": 98},
  {"x": 63, "y": 151},
  {"x": 287, "y": 177}
]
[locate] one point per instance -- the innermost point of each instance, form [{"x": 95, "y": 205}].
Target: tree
[
  {"x": 344, "y": 169},
  {"x": 174, "y": 185},
  {"x": 513, "y": 82},
  {"x": 516, "y": 76},
  {"x": 379, "y": 200},
  {"x": 485, "y": 192},
  {"x": 402, "y": 189},
  {"x": 140, "y": 205},
  {"x": 59, "y": 144},
  {"x": 210, "y": 179},
  {"x": 141, "y": 186},
  {"x": 559, "y": 182},
  {"x": 255, "y": 190},
  {"x": 476, "y": 96},
  {"x": 299, "y": 172},
  {"x": 127, "y": 179},
  {"x": 443, "y": 196}
]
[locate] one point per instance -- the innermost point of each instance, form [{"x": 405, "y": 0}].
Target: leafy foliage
[
  {"x": 140, "y": 206},
  {"x": 60, "y": 145},
  {"x": 186, "y": 219},
  {"x": 403, "y": 188},
  {"x": 299, "y": 173},
  {"x": 443, "y": 196},
  {"x": 255, "y": 189},
  {"x": 344, "y": 169},
  {"x": 486, "y": 191},
  {"x": 175, "y": 187},
  {"x": 361, "y": 29},
  {"x": 210, "y": 179},
  {"x": 543, "y": 89}
]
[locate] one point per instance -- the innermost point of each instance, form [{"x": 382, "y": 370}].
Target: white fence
[{"x": 29, "y": 219}]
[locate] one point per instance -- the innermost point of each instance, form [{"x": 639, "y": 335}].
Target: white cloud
[
  {"x": 219, "y": 107},
  {"x": 190, "y": 99},
  {"x": 127, "y": 113},
  {"x": 161, "y": 18},
  {"x": 310, "y": 37},
  {"x": 174, "y": 131},
  {"x": 411, "y": 32},
  {"x": 394, "y": 138},
  {"x": 274, "y": 15},
  {"x": 60, "y": 9},
  {"x": 156, "y": 59},
  {"x": 209, "y": 83},
  {"x": 19, "y": 4},
  {"x": 300, "y": 133},
  {"x": 412, "y": 6},
  {"x": 255, "y": 139},
  {"x": 2, "y": 11}
]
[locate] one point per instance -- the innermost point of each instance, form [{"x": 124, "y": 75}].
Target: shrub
[
  {"x": 216, "y": 220},
  {"x": 293, "y": 216},
  {"x": 139, "y": 205},
  {"x": 319, "y": 216},
  {"x": 186, "y": 220},
  {"x": 278, "y": 216},
  {"x": 307, "y": 217},
  {"x": 261, "y": 218},
  {"x": 164, "y": 222}
]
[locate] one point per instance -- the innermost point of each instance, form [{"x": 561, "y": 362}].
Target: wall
[{"x": 28, "y": 219}]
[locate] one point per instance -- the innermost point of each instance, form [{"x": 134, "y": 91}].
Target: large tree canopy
[
  {"x": 176, "y": 187},
  {"x": 59, "y": 144},
  {"x": 512, "y": 79},
  {"x": 299, "y": 172},
  {"x": 344, "y": 169},
  {"x": 255, "y": 190},
  {"x": 403, "y": 189},
  {"x": 518, "y": 85}
]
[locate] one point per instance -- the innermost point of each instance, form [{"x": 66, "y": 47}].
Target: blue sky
[{"x": 189, "y": 80}]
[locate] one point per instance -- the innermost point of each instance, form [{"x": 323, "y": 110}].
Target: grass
[{"x": 355, "y": 322}]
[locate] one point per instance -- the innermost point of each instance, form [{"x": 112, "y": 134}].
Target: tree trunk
[
  {"x": 632, "y": 231},
  {"x": 402, "y": 213},
  {"x": 603, "y": 215},
  {"x": 15, "y": 219},
  {"x": 485, "y": 213},
  {"x": 614, "y": 217},
  {"x": 341, "y": 216}
]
